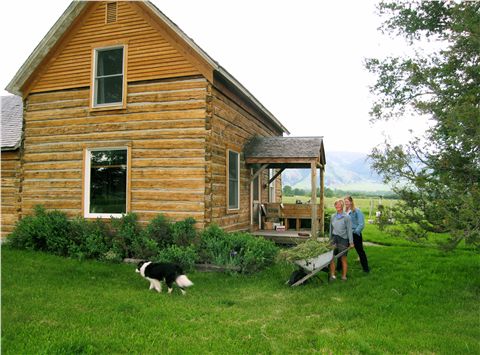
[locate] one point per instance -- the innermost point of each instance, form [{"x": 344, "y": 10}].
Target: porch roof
[{"x": 285, "y": 152}]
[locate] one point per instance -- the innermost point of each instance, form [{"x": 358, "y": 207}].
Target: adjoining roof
[
  {"x": 285, "y": 152},
  {"x": 11, "y": 120},
  {"x": 67, "y": 19}
]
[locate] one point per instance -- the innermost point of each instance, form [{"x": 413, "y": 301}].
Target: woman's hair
[
  {"x": 349, "y": 198},
  {"x": 339, "y": 201}
]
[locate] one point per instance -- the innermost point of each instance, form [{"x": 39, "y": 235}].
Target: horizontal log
[
  {"x": 175, "y": 183},
  {"x": 168, "y": 162},
  {"x": 180, "y": 196},
  {"x": 197, "y": 83},
  {"x": 117, "y": 127},
  {"x": 106, "y": 117},
  {"x": 184, "y": 133},
  {"x": 164, "y": 207},
  {"x": 168, "y": 173}
]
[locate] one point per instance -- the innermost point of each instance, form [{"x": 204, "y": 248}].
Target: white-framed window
[
  {"x": 108, "y": 76},
  {"x": 106, "y": 182},
  {"x": 271, "y": 186},
  {"x": 233, "y": 180}
]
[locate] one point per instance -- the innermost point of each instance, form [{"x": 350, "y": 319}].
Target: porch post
[
  {"x": 313, "y": 200},
  {"x": 322, "y": 200}
]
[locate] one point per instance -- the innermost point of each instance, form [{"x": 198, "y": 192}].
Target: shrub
[
  {"x": 159, "y": 229},
  {"x": 183, "y": 256},
  {"x": 126, "y": 233},
  {"x": 214, "y": 247},
  {"x": 89, "y": 239},
  {"x": 184, "y": 233},
  {"x": 144, "y": 248},
  {"x": 256, "y": 253},
  {"x": 46, "y": 231},
  {"x": 235, "y": 249}
]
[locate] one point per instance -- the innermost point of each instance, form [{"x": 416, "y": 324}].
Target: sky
[{"x": 302, "y": 59}]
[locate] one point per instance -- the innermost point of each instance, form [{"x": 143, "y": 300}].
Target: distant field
[{"x": 363, "y": 203}]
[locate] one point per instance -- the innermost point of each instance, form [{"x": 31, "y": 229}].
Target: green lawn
[
  {"x": 415, "y": 301},
  {"x": 362, "y": 203}
]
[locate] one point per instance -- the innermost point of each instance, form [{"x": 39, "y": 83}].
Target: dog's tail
[{"x": 183, "y": 281}]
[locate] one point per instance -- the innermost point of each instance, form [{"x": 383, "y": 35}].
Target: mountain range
[{"x": 349, "y": 171}]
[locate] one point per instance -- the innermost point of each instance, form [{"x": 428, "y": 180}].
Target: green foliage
[
  {"x": 185, "y": 256},
  {"x": 124, "y": 237},
  {"x": 184, "y": 232},
  {"x": 287, "y": 191},
  {"x": 89, "y": 239},
  {"x": 437, "y": 177},
  {"x": 309, "y": 249},
  {"x": 159, "y": 229},
  {"x": 46, "y": 230},
  {"x": 235, "y": 249},
  {"x": 127, "y": 232},
  {"x": 254, "y": 253}
]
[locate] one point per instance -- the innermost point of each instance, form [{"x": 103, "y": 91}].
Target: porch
[{"x": 282, "y": 153}]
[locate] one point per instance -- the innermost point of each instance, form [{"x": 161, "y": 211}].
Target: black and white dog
[{"x": 168, "y": 272}]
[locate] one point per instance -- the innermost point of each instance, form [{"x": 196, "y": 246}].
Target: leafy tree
[
  {"x": 299, "y": 192},
  {"x": 287, "y": 190},
  {"x": 437, "y": 177}
]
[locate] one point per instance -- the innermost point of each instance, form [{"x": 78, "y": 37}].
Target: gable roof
[
  {"x": 285, "y": 152},
  {"x": 11, "y": 122},
  {"x": 77, "y": 7}
]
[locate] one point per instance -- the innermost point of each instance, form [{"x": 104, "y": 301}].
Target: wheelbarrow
[{"x": 316, "y": 264}]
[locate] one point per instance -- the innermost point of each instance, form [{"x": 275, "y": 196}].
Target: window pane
[
  {"x": 110, "y": 62},
  {"x": 233, "y": 194},
  {"x": 109, "y": 90},
  {"x": 232, "y": 164},
  {"x": 233, "y": 177},
  {"x": 108, "y": 181}
]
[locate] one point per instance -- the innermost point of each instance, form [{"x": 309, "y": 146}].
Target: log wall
[
  {"x": 164, "y": 124},
  {"x": 150, "y": 54},
  {"x": 10, "y": 191},
  {"x": 231, "y": 125}
]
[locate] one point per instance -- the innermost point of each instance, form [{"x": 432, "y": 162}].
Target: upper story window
[{"x": 108, "y": 78}]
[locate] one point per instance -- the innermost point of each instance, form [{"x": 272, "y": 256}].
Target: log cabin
[{"x": 123, "y": 112}]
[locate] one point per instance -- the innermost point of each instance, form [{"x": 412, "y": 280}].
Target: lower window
[{"x": 106, "y": 182}]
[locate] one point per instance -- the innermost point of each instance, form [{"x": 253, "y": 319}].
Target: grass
[
  {"x": 415, "y": 300},
  {"x": 362, "y": 203}
]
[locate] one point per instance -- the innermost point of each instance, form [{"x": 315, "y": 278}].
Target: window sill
[
  {"x": 108, "y": 108},
  {"x": 103, "y": 215}
]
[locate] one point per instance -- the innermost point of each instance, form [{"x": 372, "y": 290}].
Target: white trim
[{"x": 88, "y": 160}]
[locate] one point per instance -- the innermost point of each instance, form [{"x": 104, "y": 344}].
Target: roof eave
[
  {"x": 15, "y": 147},
  {"x": 227, "y": 76},
  {"x": 215, "y": 66},
  {"x": 68, "y": 17},
  {"x": 43, "y": 48}
]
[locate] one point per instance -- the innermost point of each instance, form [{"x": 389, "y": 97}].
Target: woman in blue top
[
  {"x": 358, "y": 223},
  {"x": 341, "y": 237}
]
